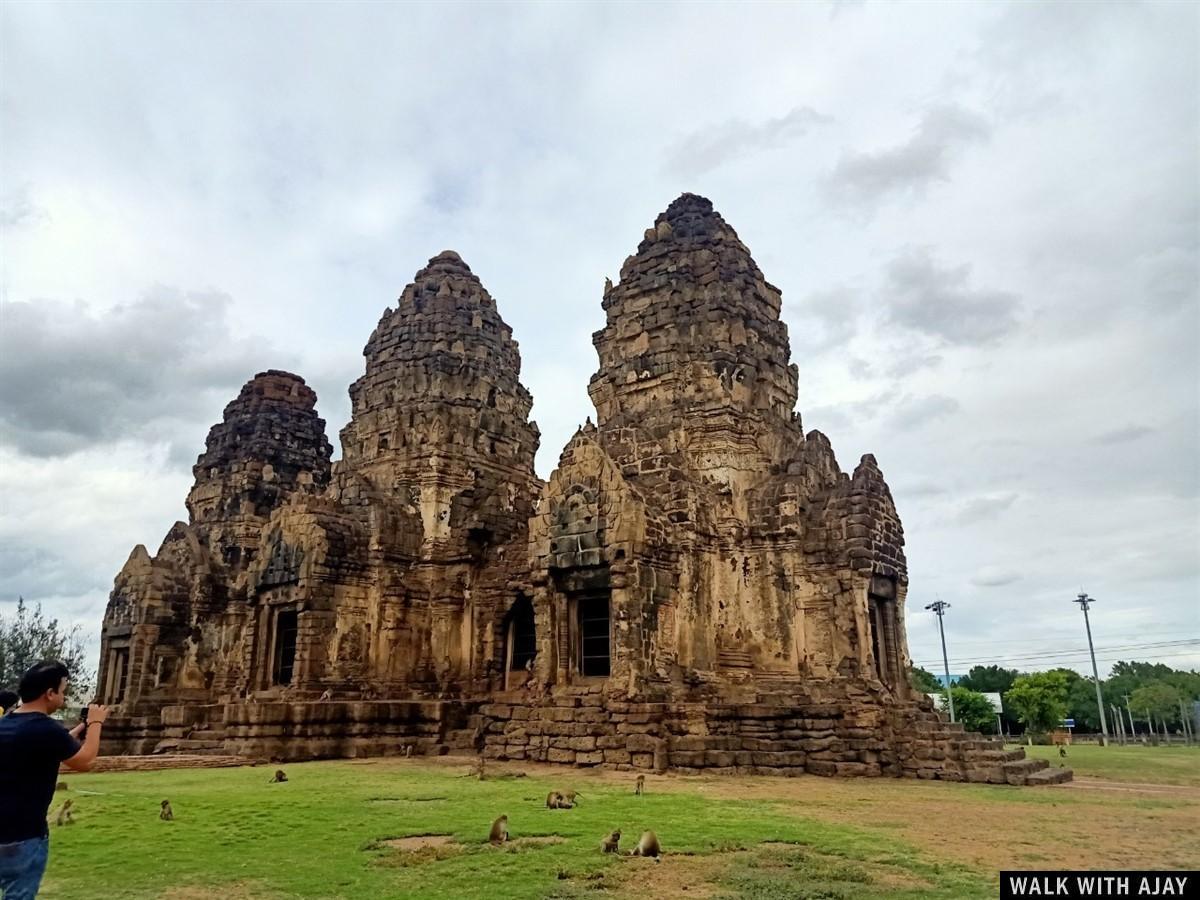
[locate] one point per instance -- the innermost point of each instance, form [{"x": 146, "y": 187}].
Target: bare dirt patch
[
  {"x": 673, "y": 876},
  {"x": 236, "y": 891},
  {"x": 415, "y": 850},
  {"x": 418, "y": 841}
]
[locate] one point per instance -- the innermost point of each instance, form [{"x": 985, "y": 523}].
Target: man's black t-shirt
[{"x": 31, "y": 747}]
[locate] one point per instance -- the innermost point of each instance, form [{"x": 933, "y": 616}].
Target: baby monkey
[
  {"x": 66, "y": 815},
  {"x": 280, "y": 777},
  {"x": 647, "y": 846},
  {"x": 499, "y": 833},
  {"x": 609, "y": 844},
  {"x": 640, "y": 787},
  {"x": 166, "y": 813}
]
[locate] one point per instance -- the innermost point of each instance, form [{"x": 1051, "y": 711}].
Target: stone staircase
[{"x": 980, "y": 758}]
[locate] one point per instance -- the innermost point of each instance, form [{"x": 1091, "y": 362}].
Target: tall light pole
[
  {"x": 940, "y": 608},
  {"x": 1084, "y": 601}
]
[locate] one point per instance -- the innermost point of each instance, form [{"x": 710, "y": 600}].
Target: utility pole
[
  {"x": 940, "y": 608},
  {"x": 1129, "y": 712},
  {"x": 1084, "y": 601}
]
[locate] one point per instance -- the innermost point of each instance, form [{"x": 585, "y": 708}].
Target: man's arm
[{"x": 82, "y": 761}]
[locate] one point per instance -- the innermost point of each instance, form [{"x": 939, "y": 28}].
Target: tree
[
  {"x": 1081, "y": 704},
  {"x": 924, "y": 681},
  {"x": 1039, "y": 700},
  {"x": 1157, "y": 699},
  {"x": 989, "y": 679},
  {"x": 972, "y": 709},
  {"x": 28, "y": 637}
]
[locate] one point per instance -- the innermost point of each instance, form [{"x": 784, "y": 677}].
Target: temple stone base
[{"x": 833, "y": 729}]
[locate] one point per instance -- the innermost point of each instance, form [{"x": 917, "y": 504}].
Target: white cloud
[{"x": 987, "y": 252}]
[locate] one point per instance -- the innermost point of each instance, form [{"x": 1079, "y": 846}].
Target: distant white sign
[{"x": 994, "y": 699}]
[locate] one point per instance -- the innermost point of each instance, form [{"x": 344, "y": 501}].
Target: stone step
[
  {"x": 996, "y": 756},
  {"x": 190, "y": 747},
  {"x": 1025, "y": 766},
  {"x": 1049, "y": 776}
]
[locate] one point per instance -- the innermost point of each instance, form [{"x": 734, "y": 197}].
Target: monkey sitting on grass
[{"x": 499, "y": 833}]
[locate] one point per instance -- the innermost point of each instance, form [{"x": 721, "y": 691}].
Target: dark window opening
[
  {"x": 286, "y": 627},
  {"x": 119, "y": 677},
  {"x": 593, "y": 621},
  {"x": 522, "y": 636}
]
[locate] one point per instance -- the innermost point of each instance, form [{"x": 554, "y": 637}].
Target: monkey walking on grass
[
  {"x": 166, "y": 814},
  {"x": 610, "y": 843},
  {"x": 640, "y": 787},
  {"x": 66, "y": 815},
  {"x": 280, "y": 777},
  {"x": 499, "y": 833}
]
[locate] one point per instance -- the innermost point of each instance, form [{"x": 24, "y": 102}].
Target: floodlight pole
[
  {"x": 940, "y": 608},
  {"x": 1084, "y": 601}
]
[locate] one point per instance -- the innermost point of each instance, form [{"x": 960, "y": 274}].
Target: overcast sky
[{"x": 983, "y": 218}]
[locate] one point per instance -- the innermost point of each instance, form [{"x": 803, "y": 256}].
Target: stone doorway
[
  {"x": 118, "y": 675},
  {"x": 287, "y": 626},
  {"x": 593, "y": 629},
  {"x": 520, "y": 643},
  {"x": 881, "y": 615}
]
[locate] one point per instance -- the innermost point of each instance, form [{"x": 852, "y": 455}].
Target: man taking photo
[{"x": 32, "y": 745}]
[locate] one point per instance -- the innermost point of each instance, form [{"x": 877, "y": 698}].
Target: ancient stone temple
[{"x": 697, "y": 586}]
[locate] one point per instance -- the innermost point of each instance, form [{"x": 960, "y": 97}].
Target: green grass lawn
[
  {"x": 1148, "y": 765},
  {"x": 325, "y": 833},
  {"x": 322, "y": 833}
]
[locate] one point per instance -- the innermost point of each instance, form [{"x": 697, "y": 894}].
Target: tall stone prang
[
  {"x": 698, "y": 586},
  {"x": 732, "y": 543},
  {"x": 171, "y": 617}
]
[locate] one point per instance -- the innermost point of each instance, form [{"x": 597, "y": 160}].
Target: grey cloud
[
  {"x": 940, "y": 301},
  {"x": 912, "y": 166},
  {"x": 921, "y": 489},
  {"x": 36, "y": 571},
  {"x": 994, "y": 576},
  {"x": 1123, "y": 435},
  {"x": 17, "y": 209},
  {"x": 984, "y": 508},
  {"x": 859, "y": 368},
  {"x": 167, "y": 363},
  {"x": 702, "y": 151},
  {"x": 826, "y": 319},
  {"x": 913, "y": 413},
  {"x": 911, "y": 364}
]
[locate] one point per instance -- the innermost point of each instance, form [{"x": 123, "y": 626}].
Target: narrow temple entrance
[
  {"x": 881, "y": 615},
  {"x": 520, "y": 643},
  {"x": 592, "y": 626},
  {"x": 118, "y": 672},
  {"x": 286, "y": 627}
]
